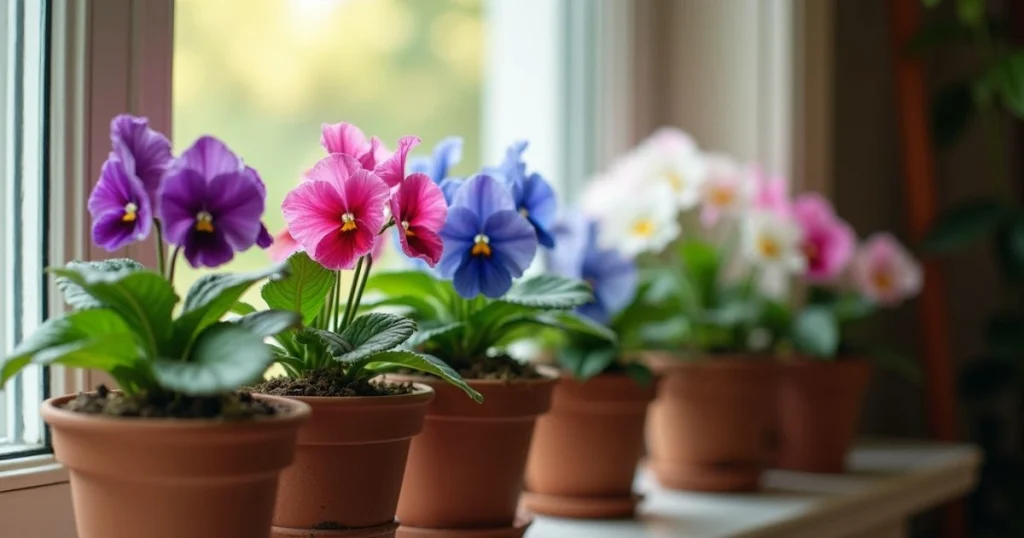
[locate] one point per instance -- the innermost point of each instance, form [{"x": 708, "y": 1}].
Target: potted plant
[
  {"x": 351, "y": 455},
  {"x": 178, "y": 450},
  {"x": 465, "y": 470},
  {"x": 585, "y": 450}
]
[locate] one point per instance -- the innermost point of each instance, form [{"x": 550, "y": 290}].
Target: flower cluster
[
  {"x": 207, "y": 201},
  {"x": 643, "y": 202}
]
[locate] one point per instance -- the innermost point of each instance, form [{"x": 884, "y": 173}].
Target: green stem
[
  {"x": 336, "y": 300},
  {"x": 352, "y": 294},
  {"x": 159, "y": 247},
  {"x": 174, "y": 263},
  {"x": 362, "y": 285}
]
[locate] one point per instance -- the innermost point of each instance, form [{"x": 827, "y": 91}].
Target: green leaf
[
  {"x": 897, "y": 363},
  {"x": 965, "y": 224},
  {"x": 412, "y": 283},
  {"x": 373, "y": 333},
  {"x": 952, "y": 110},
  {"x": 1005, "y": 79},
  {"x": 586, "y": 362},
  {"x": 304, "y": 290},
  {"x": 931, "y": 3},
  {"x": 419, "y": 308},
  {"x": 971, "y": 12},
  {"x": 425, "y": 335},
  {"x": 852, "y": 307},
  {"x": 270, "y": 322},
  {"x": 242, "y": 308},
  {"x": 78, "y": 298},
  {"x": 421, "y": 363},
  {"x": 97, "y": 339},
  {"x": 143, "y": 299},
  {"x": 702, "y": 262},
  {"x": 549, "y": 291},
  {"x": 564, "y": 322},
  {"x": 639, "y": 373},
  {"x": 816, "y": 332},
  {"x": 225, "y": 357},
  {"x": 213, "y": 296}
]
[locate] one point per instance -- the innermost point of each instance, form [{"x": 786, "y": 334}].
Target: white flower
[
  {"x": 727, "y": 190},
  {"x": 772, "y": 241},
  {"x": 634, "y": 220},
  {"x": 668, "y": 156}
]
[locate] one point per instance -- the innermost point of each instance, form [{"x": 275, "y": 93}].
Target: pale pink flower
[
  {"x": 348, "y": 139},
  {"x": 771, "y": 193},
  {"x": 885, "y": 272},
  {"x": 726, "y": 191},
  {"x": 828, "y": 241},
  {"x": 284, "y": 246}
]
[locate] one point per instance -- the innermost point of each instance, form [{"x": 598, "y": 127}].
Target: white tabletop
[{"x": 888, "y": 482}]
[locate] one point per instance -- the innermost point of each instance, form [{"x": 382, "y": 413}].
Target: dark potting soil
[
  {"x": 329, "y": 382},
  {"x": 502, "y": 368},
  {"x": 236, "y": 406}
]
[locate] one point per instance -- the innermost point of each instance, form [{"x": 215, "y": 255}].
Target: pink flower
[
  {"x": 726, "y": 190},
  {"x": 828, "y": 241},
  {"x": 771, "y": 193},
  {"x": 348, "y": 139},
  {"x": 420, "y": 211},
  {"x": 284, "y": 246},
  {"x": 885, "y": 272},
  {"x": 338, "y": 212},
  {"x": 392, "y": 171}
]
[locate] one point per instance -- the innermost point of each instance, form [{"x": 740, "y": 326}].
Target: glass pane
[
  {"x": 264, "y": 83},
  {"x": 22, "y": 213}
]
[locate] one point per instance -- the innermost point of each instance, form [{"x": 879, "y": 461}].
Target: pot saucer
[
  {"x": 515, "y": 531},
  {"x": 386, "y": 530},
  {"x": 581, "y": 507}
]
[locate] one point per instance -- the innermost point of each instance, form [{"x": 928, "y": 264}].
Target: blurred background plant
[{"x": 991, "y": 89}]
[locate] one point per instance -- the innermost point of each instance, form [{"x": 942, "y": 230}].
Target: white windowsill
[
  {"x": 30, "y": 472},
  {"x": 889, "y": 483}
]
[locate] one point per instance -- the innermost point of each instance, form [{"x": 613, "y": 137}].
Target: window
[
  {"x": 22, "y": 214},
  {"x": 392, "y": 67}
]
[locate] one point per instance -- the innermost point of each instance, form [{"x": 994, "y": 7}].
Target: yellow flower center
[
  {"x": 675, "y": 180},
  {"x": 348, "y": 222},
  {"x": 408, "y": 232},
  {"x": 643, "y": 227},
  {"x": 768, "y": 247},
  {"x": 204, "y": 222},
  {"x": 130, "y": 212},
  {"x": 883, "y": 280},
  {"x": 524, "y": 212},
  {"x": 481, "y": 245},
  {"x": 721, "y": 196}
]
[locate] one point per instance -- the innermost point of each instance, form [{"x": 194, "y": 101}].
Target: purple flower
[
  {"x": 211, "y": 204},
  {"x": 487, "y": 242},
  {"x": 144, "y": 152},
  {"x": 612, "y": 276},
  {"x": 120, "y": 208},
  {"x": 447, "y": 153},
  {"x": 533, "y": 196}
]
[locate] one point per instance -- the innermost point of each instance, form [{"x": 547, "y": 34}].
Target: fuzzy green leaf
[
  {"x": 965, "y": 224},
  {"x": 549, "y": 292},
  {"x": 305, "y": 290},
  {"x": 816, "y": 332},
  {"x": 78, "y": 298},
  {"x": 422, "y": 363},
  {"x": 702, "y": 262},
  {"x": 584, "y": 363},
  {"x": 425, "y": 335},
  {"x": 143, "y": 299},
  {"x": 409, "y": 283},
  {"x": 270, "y": 322},
  {"x": 242, "y": 308},
  {"x": 97, "y": 339},
  {"x": 373, "y": 333},
  {"x": 225, "y": 357},
  {"x": 213, "y": 296}
]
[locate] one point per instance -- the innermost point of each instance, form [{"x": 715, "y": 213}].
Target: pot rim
[
  {"x": 548, "y": 374},
  {"x": 422, "y": 393},
  {"x": 294, "y": 411}
]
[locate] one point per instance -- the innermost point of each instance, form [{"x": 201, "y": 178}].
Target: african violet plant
[
  {"x": 471, "y": 308},
  {"x": 207, "y": 205},
  {"x": 718, "y": 245},
  {"x": 346, "y": 204}
]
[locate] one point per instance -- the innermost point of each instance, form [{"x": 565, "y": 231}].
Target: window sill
[{"x": 31, "y": 472}]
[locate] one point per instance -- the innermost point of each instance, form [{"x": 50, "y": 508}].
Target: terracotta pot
[
  {"x": 585, "y": 451},
  {"x": 349, "y": 465},
  {"x": 465, "y": 470},
  {"x": 166, "y": 478},
  {"x": 819, "y": 411},
  {"x": 710, "y": 427}
]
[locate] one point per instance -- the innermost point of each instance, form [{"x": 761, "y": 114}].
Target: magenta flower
[
  {"x": 828, "y": 241},
  {"x": 392, "y": 171},
  {"x": 348, "y": 139},
  {"x": 885, "y": 272},
  {"x": 145, "y": 153},
  {"x": 338, "y": 212},
  {"x": 771, "y": 193},
  {"x": 211, "y": 204},
  {"x": 420, "y": 211},
  {"x": 120, "y": 207}
]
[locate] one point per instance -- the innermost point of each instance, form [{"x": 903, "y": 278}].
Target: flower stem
[
  {"x": 336, "y": 300},
  {"x": 160, "y": 247},
  {"x": 174, "y": 263},
  {"x": 362, "y": 285},
  {"x": 351, "y": 294}
]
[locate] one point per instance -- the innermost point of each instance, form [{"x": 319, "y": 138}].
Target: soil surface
[
  {"x": 329, "y": 383},
  {"x": 502, "y": 368},
  {"x": 239, "y": 405}
]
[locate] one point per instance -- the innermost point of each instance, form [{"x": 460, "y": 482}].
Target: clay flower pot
[
  {"x": 167, "y": 478},
  {"x": 465, "y": 471},
  {"x": 819, "y": 411},
  {"x": 585, "y": 451},
  {"x": 710, "y": 427},
  {"x": 349, "y": 465}
]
